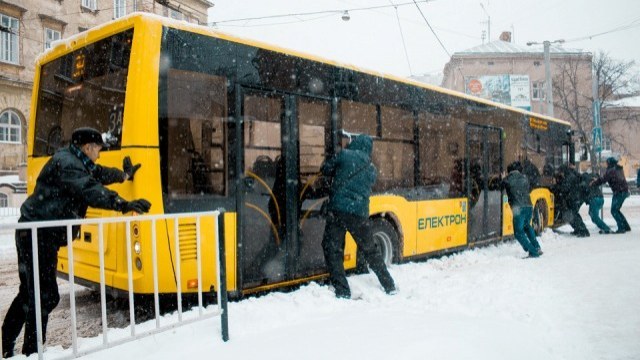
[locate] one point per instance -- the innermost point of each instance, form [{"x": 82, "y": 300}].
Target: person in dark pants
[
  {"x": 348, "y": 210},
  {"x": 614, "y": 176},
  {"x": 571, "y": 191},
  {"x": 517, "y": 187},
  {"x": 68, "y": 184},
  {"x": 595, "y": 200}
]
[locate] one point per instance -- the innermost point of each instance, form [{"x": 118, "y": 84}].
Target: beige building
[
  {"x": 621, "y": 136},
  {"x": 502, "y": 57},
  {"x": 28, "y": 27}
]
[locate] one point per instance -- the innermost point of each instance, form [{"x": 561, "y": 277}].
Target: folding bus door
[
  {"x": 263, "y": 212},
  {"x": 484, "y": 165}
]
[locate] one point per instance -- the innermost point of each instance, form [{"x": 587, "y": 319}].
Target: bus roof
[{"x": 111, "y": 27}]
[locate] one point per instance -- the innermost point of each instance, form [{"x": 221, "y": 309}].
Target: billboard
[{"x": 506, "y": 89}]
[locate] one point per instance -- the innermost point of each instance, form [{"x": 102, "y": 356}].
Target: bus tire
[
  {"x": 385, "y": 238},
  {"x": 539, "y": 218}
]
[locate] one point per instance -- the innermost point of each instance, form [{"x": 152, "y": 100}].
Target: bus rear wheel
[
  {"x": 385, "y": 239},
  {"x": 539, "y": 217}
]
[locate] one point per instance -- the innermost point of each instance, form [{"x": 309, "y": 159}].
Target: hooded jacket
[
  {"x": 614, "y": 176},
  {"x": 353, "y": 176}
]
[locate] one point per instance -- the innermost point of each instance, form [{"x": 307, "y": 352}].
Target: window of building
[
  {"x": 537, "y": 90},
  {"x": 10, "y": 127},
  {"x": 4, "y": 201},
  {"x": 606, "y": 143},
  {"x": 175, "y": 14},
  {"x": 50, "y": 36},
  {"x": 490, "y": 63},
  {"x": 536, "y": 63},
  {"x": 90, "y": 4},
  {"x": 9, "y": 47},
  {"x": 119, "y": 8}
]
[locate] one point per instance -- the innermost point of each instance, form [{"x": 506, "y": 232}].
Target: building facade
[
  {"x": 28, "y": 27},
  {"x": 622, "y": 133},
  {"x": 502, "y": 57}
]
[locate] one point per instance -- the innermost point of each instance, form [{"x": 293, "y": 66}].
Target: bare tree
[{"x": 573, "y": 95}]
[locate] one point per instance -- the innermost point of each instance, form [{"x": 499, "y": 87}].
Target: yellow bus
[{"x": 221, "y": 122}]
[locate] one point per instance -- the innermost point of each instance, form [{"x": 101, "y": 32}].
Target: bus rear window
[{"x": 83, "y": 88}]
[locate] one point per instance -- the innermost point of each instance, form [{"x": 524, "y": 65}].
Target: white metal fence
[
  {"x": 9, "y": 212},
  {"x": 202, "y": 313}
]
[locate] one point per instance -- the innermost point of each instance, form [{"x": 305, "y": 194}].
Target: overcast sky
[{"x": 371, "y": 38}]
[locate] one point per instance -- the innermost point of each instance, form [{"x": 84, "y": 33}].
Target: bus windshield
[{"x": 83, "y": 88}]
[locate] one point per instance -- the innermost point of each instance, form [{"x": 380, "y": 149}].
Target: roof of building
[
  {"x": 505, "y": 47},
  {"x": 631, "y": 101}
]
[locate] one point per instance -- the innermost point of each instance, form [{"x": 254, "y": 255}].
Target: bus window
[
  {"x": 393, "y": 153},
  {"x": 262, "y": 134},
  {"x": 83, "y": 88},
  {"x": 358, "y": 117},
  {"x": 442, "y": 163},
  {"x": 195, "y": 133}
]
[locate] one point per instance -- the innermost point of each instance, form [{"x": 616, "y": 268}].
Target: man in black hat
[
  {"x": 68, "y": 184},
  {"x": 618, "y": 184}
]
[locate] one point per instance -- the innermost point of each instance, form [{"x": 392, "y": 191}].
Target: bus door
[
  {"x": 285, "y": 139},
  {"x": 262, "y": 191},
  {"x": 482, "y": 179},
  {"x": 312, "y": 126}
]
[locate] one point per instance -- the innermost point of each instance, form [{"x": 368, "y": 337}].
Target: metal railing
[
  {"x": 9, "y": 212},
  {"x": 100, "y": 222}
]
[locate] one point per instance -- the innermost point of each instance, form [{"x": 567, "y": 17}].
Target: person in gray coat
[
  {"x": 517, "y": 187},
  {"x": 68, "y": 184}
]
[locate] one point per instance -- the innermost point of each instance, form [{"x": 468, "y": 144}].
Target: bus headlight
[
  {"x": 138, "y": 263},
  {"x": 137, "y": 247}
]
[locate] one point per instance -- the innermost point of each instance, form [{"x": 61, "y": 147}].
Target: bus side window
[
  {"x": 196, "y": 146},
  {"x": 393, "y": 152}
]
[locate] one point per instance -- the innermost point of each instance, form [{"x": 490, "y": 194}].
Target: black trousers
[
  {"x": 22, "y": 311},
  {"x": 575, "y": 219},
  {"x": 333, "y": 246}
]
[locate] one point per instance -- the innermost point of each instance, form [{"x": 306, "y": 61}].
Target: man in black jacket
[
  {"x": 517, "y": 187},
  {"x": 353, "y": 176},
  {"x": 618, "y": 184},
  {"x": 68, "y": 184},
  {"x": 570, "y": 190}
]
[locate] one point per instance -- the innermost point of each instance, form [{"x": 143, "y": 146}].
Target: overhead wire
[
  {"x": 631, "y": 25},
  {"x": 431, "y": 28},
  {"x": 339, "y": 11},
  {"x": 404, "y": 45}
]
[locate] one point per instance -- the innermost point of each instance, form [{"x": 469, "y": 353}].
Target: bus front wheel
[{"x": 385, "y": 238}]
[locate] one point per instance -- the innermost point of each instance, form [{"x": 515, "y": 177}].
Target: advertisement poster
[
  {"x": 506, "y": 89},
  {"x": 519, "y": 85}
]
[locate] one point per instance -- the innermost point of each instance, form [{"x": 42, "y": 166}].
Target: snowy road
[{"x": 579, "y": 301}]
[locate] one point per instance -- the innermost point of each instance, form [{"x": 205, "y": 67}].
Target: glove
[
  {"x": 129, "y": 168},
  {"x": 140, "y": 206}
]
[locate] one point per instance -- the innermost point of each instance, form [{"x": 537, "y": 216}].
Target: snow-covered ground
[{"x": 578, "y": 301}]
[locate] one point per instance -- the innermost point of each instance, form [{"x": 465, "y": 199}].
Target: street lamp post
[{"x": 547, "y": 72}]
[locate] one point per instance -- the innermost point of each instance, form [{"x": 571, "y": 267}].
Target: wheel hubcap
[{"x": 383, "y": 242}]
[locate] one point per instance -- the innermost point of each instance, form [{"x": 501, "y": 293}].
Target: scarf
[{"x": 90, "y": 165}]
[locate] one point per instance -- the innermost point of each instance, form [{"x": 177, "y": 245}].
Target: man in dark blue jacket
[
  {"x": 614, "y": 176},
  {"x": 348, "y": 210},
  {"x": 517, "y": 187},
  {"x": 68, "y": 184}
]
